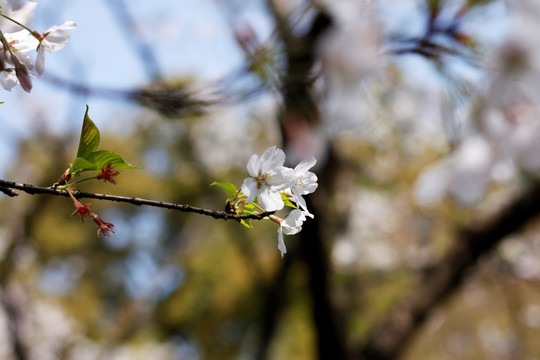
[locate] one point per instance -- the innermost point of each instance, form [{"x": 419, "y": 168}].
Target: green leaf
[
  {"x": 228, "y": 187},
  {"x": 80, "y": 165},
  {"x": 97, "y": 160},
  {"x": 249, "y": 209},
  {"x": 288, "y": 202},
  {"x": 88, "y": 157},
  {"x": 89, "y": 140},
  {"x": 246, "y": 223},
  {"x": 102, "y": 158}
]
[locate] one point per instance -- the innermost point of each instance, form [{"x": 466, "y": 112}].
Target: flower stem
[
  {"x": 4, "y": 41},
  {"x": 66, "y": 187},
  {"x": 21, "y": 25}
]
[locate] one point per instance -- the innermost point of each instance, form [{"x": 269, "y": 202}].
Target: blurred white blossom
[
  {"x": 350, "y": 53},
  {"x": 21, "y": 11},
  {"x": 506, "y": 135},
  {"x": 463, "y": 175},
  {"x": 14, "y": 5}
]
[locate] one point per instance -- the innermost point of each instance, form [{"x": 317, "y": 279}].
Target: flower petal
[
  {"x": 272, "y": 160},
  {"x": 295, "y": 219},
  {"x": 282, "y": 179},
  {"x": 304, "y": 166},
  {"x": 40, "y": 60},
  {"x": 8, "y": 80},
  {"x": 253, "y": 165},
  {"x": 249, "y": 188},
  {"x": 281, "y": 243},
  {"x": 270, "y": 200},
  {"x": 300, "y": 201},
  {"x": 56, "y": 37}
]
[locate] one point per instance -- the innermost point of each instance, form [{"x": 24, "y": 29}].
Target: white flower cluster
[
  {"x": 269, "y": 179},
  {"x": 505, "y": 140},
  {"x": 15, "y": 64}
]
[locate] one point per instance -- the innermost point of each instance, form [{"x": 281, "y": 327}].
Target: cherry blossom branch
[{"x": 7, "y": 186}]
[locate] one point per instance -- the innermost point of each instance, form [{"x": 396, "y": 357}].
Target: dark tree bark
[{"x": 301, "y": 113}]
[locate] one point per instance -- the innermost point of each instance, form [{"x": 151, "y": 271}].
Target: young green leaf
[
  {"x": 89, "y": 140},
  {"x": 249, "y": 209},
  {"x": 246, "y": 223},
  {"x": 81, "y": 165},
  {"x": 287, "y": 201},
  {"x": 102, "y": 158},
  {"x": 228, "y": 187}
]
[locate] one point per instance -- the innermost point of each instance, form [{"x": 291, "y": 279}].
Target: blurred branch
[
  {"x": 169, "y": 100},
  {"x": 442, "y": 36},
  {"x": 442, "y": 280},
  {"x": 32, "y": 190},
  {"x": 82, "y": 89}
]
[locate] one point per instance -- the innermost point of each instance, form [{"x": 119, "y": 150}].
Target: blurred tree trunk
[{"x": 301, "y": 113}]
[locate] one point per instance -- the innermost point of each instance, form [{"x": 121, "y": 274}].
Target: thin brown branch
[
  {"x": 216, "y": 214},
  {"x": 8, "y": 192}
]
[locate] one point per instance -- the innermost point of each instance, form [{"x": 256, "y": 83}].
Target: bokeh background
[{"x": 378, "y": 91}]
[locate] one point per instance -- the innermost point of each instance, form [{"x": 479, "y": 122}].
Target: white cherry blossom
[
  {"x": 305, "y": 183},
  {"x": 267, "y": 177},
  {"x": 53, "y": 39},
  {"x": 21, "y": 41},
  {"x": 291, "y": 225},
  {"x": 269, "y": 180},
  {"x": 8, "y": 80},
  {"x": 16, "y": 64}
]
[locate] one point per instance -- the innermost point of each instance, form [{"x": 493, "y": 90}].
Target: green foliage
[
  {"x": 287, "y": 201},
  {"x": 228, "y": 187},
  {"x": 89, "y": 140},
  {"x": 88, "y": 157},
  {"x": 236, "y": 203}
]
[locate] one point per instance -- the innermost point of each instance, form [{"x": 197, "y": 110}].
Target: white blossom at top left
[{"x": 16, "y": 66}]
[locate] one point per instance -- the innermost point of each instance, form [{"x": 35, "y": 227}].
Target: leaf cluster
[{"x": 88, "y": 157}]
